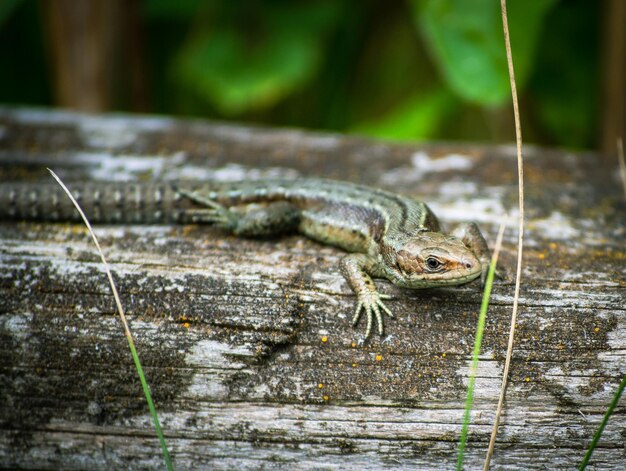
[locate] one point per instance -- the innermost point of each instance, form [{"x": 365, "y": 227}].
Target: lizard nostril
[{"x": 468, "y": 265}]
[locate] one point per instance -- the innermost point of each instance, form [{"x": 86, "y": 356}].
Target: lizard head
[{"x": 434, "y": 259}]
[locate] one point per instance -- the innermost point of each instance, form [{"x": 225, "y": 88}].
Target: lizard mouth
[
  {"x": 453, "y": 277},
  {"x": 458, "y": 278}
]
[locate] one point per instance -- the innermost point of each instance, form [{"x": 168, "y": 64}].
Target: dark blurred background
[{"x": 412, "y": 69}]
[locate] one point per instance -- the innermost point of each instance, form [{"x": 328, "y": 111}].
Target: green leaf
[
  {"x": 565, "y": 87},
  {"x": 239, "y": 65},
  {"x": 418, "y": 117},
  {"x": 466, "y": 40},
  {"x": 6, "y": 9},
  {"x": 172, "y": 9}
]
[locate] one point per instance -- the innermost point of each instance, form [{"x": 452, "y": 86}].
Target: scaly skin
[
  {"x": 389, "y": 236},
  {"x": 392, "y": 236}
]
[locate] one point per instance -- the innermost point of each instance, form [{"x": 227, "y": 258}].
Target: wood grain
[{"x": 247, "y": 344}]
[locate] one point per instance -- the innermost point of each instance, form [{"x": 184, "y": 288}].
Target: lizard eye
[{"x": 432, "y": 263}]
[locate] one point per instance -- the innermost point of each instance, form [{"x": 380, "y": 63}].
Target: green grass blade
[
  {"x": 605, "y": 419},
  {"x": 472, "y": 378},
  {"x": 129, "y": 337},
  {"x": 153, "y": 412},
  {"x": 477, "y": 343}
]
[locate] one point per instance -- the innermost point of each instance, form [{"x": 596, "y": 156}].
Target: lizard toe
[{"x": 374, "y": 308}]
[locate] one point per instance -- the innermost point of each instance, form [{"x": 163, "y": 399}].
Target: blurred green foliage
[
  {"x": 251, "y": 61},
  {"x": 417, "y": 69},
  {"x": 467, "y": 43}
]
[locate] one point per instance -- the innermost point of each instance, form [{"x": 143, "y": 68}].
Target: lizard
[{"x": 386, "y": 235}]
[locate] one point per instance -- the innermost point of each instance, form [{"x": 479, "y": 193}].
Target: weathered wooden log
[{"x": 247, "y": 344}]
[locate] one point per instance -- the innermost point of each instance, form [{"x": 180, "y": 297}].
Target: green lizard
[{"x": 388, "y": 235}]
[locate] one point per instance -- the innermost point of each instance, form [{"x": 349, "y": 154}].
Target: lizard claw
[
  {"x": 373, "y": 305},
  {"x": 209, "y": 216},
  {"x": 212, "y": 212}
]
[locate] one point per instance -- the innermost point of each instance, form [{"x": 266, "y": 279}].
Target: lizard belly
[{"x": 329, "y": 228}]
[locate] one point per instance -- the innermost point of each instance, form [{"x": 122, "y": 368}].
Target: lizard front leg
[{"x": 356, "y": 269}]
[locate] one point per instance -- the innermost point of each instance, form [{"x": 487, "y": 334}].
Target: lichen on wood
[{"x": 248, "y": 344}]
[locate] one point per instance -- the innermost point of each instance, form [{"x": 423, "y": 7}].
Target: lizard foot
[
  {"x": 219, "y": 217},
  {"x": 211, "y": 213},
  {"x": 373, "y": 305}
]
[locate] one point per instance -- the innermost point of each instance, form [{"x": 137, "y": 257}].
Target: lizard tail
[{"x": 102, "y": 202}]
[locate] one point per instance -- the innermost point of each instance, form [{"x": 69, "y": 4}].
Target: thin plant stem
[
  {"x": 129, "y": 337},
  {"x": 622, "y": 165},
  {"x": 520, "y": 240}
]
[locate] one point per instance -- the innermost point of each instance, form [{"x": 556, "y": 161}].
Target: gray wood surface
[{"x": 247, "y": 344}]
